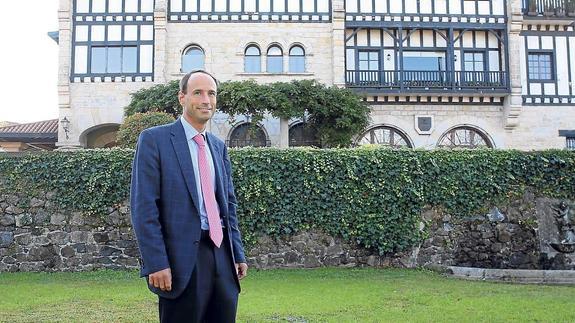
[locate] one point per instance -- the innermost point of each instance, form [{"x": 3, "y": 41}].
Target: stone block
[
  {"x": 7, "y": 220},
  {"x": 59, "y": 237},
  {"x": 101, "y": 237},
  {"x": 6, "y": 239},
  {"x": 68, "y": 252},
  {"x": 13, "y": 210},
  {"x": 24, "y": 220},
  {"x": 58, "y": 219},
  {"x": 34, "y": 202}
]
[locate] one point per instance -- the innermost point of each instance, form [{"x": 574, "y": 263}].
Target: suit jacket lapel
[{"x": 180, "y": 143}]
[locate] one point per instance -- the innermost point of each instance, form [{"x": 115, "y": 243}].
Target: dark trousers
[{"x": 212, "y": 293}]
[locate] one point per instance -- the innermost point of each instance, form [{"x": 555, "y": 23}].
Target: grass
[{"x": 320, "y": 295}]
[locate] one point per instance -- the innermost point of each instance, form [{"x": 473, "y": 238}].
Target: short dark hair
[{"x": 186, "y": 78}]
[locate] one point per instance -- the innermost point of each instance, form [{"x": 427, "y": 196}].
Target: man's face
[{"x": 199, "y": 102}]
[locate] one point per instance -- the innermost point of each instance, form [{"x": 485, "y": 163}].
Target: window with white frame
[
  {"x": 540, "y": 66},
  {"x": 193, "y": 59},
  {"x": 296, "y": 59},
  {"x": 252, "y": 59},
  {"x": 275, "y": 59}
]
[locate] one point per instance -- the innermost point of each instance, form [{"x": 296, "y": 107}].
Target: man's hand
[
  {"x": 242, "y": 270},
  {"x": 161, "y": 279}
]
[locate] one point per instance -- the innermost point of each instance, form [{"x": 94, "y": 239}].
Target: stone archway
[{"x": 100, "y": 136}]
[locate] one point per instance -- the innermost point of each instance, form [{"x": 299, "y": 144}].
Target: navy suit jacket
[{"x": 165, "y": 206}]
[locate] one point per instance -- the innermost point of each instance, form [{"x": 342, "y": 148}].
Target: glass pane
[
  {"x": 373, "y": 56},
  {"x": 98, "y": 5},
  {"x": 363, "y": 65},
  {"x": 253, "y": 51},
  {"x": 146, "y": 58},
  {"x": 131, "y": 5},
  {"x": 220, "y": 6},
  {"x": 80, "y": 59},
  {"x": 190, "y": 5},
  {"x": 130, "y": 32},
  {"x": 81, "y": 33},
  {"x": 421, "y": 63},
  {"x": 323, "y": 6},
  {"x": 98, "y": 33},
  {"x": 479, "y": 66},
  {"x": 275, "y": 64},
  {"x": 297, "y": 64},
  {"x": 193, "y": 60},
  {"x": 82, "y": 6},
  {"x": 147, "y": 5},
  {"x": 265, "y": 5},
  {"x": 278, "y": 5},
  {"x": 98, "y": 60},
  {"x": 468, "y": 57},
  {"x": 363, "y": 56},
  {"x": 293, "y": 5},
  {"x": 114, "y": 33},
  {"x": 296, "y": 50},
  {"x": 249, "y": 5},
  {"x": 274, "y": 51},
  {"x": 373, "y": 65},
  {"x": 146, "y": 32},
  {"x": 115, "y": 6},
  {"x": 130, "y": 59},
  {"x": 205, "y": 5},
  {"x": 252, "y": 64},
  {"x": 114, "y": 59},
  {"x": 468, "y": 66}
]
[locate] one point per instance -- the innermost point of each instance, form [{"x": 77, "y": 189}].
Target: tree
[{"x": 336, "y": 114}]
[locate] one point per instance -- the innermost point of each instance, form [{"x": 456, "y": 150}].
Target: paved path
[{"x": 524, "y": 276}]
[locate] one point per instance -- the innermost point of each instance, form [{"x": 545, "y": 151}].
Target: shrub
[
  {"x": 135, "y": 124},
  {"x": 371, "y": 196}
]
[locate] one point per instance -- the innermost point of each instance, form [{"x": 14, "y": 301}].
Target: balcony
[
  {"x": 549, "y": 9},
  {"x": 427, "y": 82}
]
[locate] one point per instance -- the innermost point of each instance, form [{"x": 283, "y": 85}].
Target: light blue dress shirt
[{"x": 191, "y": 132}]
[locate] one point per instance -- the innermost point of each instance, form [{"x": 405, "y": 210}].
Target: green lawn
[{"x": 321, "y": 295}]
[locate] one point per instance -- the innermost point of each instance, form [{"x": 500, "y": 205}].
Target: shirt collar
[{"x": 189, "y": 130}]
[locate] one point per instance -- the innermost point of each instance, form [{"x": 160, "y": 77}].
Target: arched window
[
  {"x": 252, "y": 59},
  {"x": 464, "y": 137},
  {"x": 193, "y": 59},
  {"x": 296, "y": 59},
  {"x": 301, "y": 134},
  {"x": 275, "y": 60},
  {"x": 385, "y": 136},
  {"x": 246, "y": 135}
]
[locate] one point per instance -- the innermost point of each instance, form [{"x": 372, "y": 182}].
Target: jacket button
[{"x": 197, "y": 241}]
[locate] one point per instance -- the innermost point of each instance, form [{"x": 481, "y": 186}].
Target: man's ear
[{"x": 181, "y": 97}]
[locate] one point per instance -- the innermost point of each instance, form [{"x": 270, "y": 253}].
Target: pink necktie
[{"x": 208, "y": 192}]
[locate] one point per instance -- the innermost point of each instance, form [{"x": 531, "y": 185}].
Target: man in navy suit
[{"x": 183, "y": 209}]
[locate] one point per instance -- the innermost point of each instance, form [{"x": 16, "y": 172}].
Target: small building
[{"x": 35, "y": 136}]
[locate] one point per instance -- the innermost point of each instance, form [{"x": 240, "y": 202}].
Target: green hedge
[{"x": 372, "y": 196}]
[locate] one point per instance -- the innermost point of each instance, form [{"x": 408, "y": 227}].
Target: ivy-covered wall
[{"x": 372, "y": 197}]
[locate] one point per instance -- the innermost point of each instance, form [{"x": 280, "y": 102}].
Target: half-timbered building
[{"x": 436, "y": 73}]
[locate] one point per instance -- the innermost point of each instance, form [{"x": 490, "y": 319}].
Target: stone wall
[{"x": 35, "y": 236}]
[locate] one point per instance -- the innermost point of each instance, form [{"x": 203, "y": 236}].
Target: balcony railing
[
  {"x": 427, "y": 81},
  {"x": 549, "y": 8}
]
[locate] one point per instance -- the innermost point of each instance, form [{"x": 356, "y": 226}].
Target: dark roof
[{"x": 45, "y": 131}]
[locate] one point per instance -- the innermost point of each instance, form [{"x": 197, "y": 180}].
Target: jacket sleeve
[
  {"x": 144, "y": 201},
  {"x": 232, "y": 212}
]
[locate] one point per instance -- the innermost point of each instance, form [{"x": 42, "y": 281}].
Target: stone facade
[
  {"x": 96, "y": 108},
  {"x": 34, "y": 236}
]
